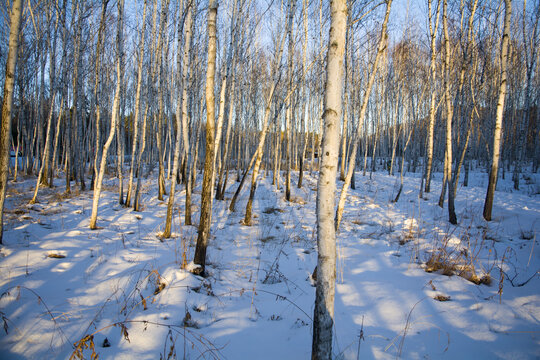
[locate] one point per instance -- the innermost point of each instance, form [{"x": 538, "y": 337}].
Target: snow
[{"x": 61, "y": 281}]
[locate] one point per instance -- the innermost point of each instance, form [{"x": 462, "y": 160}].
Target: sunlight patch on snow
[
  {"x": 350, "y": 295},
  {"x": 64, "y": 266},
  {"x": 369, "y": 265}
]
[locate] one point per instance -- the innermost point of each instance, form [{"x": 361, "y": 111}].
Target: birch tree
[
  {"x": 352, "y": 157},
  {"x": 206, "y": 196},
  {"x": 7, "y": 104},
  {"x": 289, "y": 103},
  {"x": 323, "y": 314},
  {"x": 137, "y": 107},
  {"x": 114, "y": 116},
  {"x": 447, "y": 177},
  {"x": 433, "y": 28},
  {"x": 181, "y": 110},
  {"x": 488, "y": 204}
]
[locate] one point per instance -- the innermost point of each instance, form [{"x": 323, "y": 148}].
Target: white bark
[
  {"x": 7, "y": 104},
  {"x": 488, "y": 204},
  {"x": 323, "y": 317},
  {"x": 352, "y": 157},
  {"x": 206, "y": 200},
  {"x": 181, "y": 116},
  {"x": 115, "y": 112}
]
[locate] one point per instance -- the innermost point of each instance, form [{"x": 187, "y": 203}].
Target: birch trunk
[
  {"x": 260, "y": 146},
  {"x": 449, "y": 114},
  {"x": 323, "y": 314},
  {"x": 181, "y": 112},
  {"x": 352, "y": 157},
  {"x": 304, "y": 113},
  {"x": 137, "y": 107},
  {"x": 7, "y": 104},
  {"x": 115, "y": 112},
  {"x": 45, "y": 153},
  {"x": 289, "y": 104},
  {"x": 206, "y": 196},
  {"x": 433, "y": 71},
  {"x": 488, "y": 204}
]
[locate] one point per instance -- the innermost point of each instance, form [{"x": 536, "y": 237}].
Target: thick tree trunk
[
  {"x": 7, "y": 104},
  {"x": 323, "y": 314}
]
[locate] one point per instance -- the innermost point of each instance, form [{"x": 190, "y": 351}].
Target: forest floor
[{"x": 395, "y": 293}]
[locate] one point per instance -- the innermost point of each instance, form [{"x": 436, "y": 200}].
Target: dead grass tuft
[
  {"x": 56, "y": 256},
  {"x": 441, "y": 297},
  {"x": 273, "y": 210},
  {"x": 459, "y": 259}
]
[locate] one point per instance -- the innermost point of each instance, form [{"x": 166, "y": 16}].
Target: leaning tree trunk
[
  {"x": 206, "y": 196},
  {"x": 323, "y": 314},
  {"x": 7, "y": 104},
  {"x": 181, "y": 114},
  {"x": 262, "y": 137},
  {"x": 114, "y": 118},
  {"x": 45, "y": 153},
  {"x": 137, "y": 108},
  {"x": 363, "y": 109},
  {"x": 488, "y": 204}
]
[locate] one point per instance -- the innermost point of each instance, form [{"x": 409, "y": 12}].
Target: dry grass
[
  {"x": 463, "y": 261},
  {"x": 441, "y": 297}
]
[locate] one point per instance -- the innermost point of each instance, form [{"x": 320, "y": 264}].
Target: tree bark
[
  {"x": 137, "y": 108},
  {"x": 488, "y": 204},
  {"x": 206, "y": 200},
  {"x": 449, "y": 115},
  {"x": 323, "y": 314},
  {"x": 7, "y": 104},
  {"x": 181, "y": 113},
  {"x": 114, "y": 118},
  {"x": 433, "y": 71},
  {"x": 352, "y": 157}
]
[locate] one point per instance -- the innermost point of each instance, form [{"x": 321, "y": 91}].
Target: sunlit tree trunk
[
  {"x": 304, "y": 113},
  {"x": 63, "y": 79},
  {"x": 181, "y": 111},
  {"x": 488, "y": 204},
  {"x": 7, "y": 104},
  {"x": 45, "y": 153},
  {"x": 262, "y": 137},
  {"x": 97, "y": 91},
  {"x": 289, "y": 103},
  {"x": 161, "y": 84},
  {"x": 137, "y": 107},
  {"x": 433, "y": 28},
  {"x": 206, "y": 196},
  {"x": 449, "y": 113},
  {"x": 114, "y": 116},
  {"x": 352, "y": 157},
  {"x": 323, "y": 314}
]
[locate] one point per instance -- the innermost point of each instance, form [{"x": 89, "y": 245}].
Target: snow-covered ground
[{"x": 61, "y": 281}]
